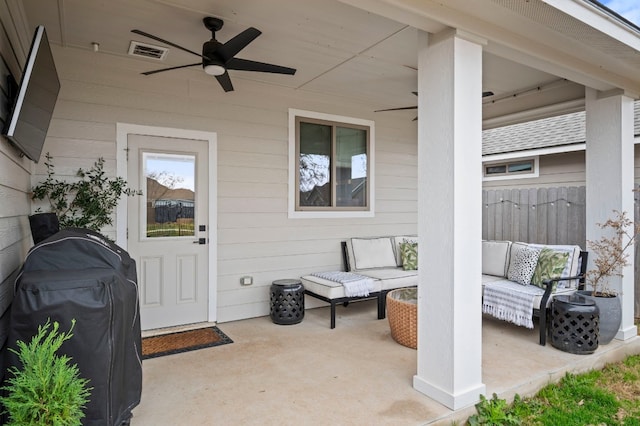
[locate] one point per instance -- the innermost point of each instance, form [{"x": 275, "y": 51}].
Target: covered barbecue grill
[{"x": 78, "y": 274}]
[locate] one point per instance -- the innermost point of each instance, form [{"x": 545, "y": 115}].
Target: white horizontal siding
[
  {"x": 565, "y": 169},
  {"x": 12, "y": 231},
  {"x": 15, "y": 202},
  {"x": 67, "y": 167},
  {"x": 78, "y": 148},
  {"x": 247, "y": 251},
  {"x": 15, "y": 171}
]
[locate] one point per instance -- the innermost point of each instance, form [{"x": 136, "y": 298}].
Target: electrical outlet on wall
[{"x": 246, "y": 280}]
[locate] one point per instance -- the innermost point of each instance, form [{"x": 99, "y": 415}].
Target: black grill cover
[{"x": 77, "y": 274}]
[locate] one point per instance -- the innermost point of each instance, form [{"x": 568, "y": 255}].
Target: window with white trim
[
  {"x": 512, "y": 169},
  {"x": 332, "y": 165}
]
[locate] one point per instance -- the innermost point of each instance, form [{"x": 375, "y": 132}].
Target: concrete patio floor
[{"x": 355, "y": 374}]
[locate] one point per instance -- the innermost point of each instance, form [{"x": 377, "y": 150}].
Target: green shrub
[
  {"x": 48, "y": 390},
  {"x": 89, "y": 202},
  {"x": 493, "y": 412}
]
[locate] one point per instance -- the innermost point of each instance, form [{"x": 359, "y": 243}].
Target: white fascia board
[
  {"x": 599, "y": 19},
  {"x": 533, "y": 152},
  {"x": 534, "y": 114},
  {"x": 540, "y": 152}
]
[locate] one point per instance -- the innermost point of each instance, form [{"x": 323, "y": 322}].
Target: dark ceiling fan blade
[
  {"x": 151, "y": 36},
  {"x": 247, "y": 65},
  {"x": 225, "y": 82},
  {"x": 170, "y": 68},
  {"x": 232, "y": 47},
  {"x": 484, "y": 95},
  {"x": 397, "y": 109}
]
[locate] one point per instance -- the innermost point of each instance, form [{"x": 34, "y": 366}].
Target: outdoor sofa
[
  {"x": 519, "y": 280},
  {"x": 508, "y": 270},
  {"x": 376, "y": 260}
]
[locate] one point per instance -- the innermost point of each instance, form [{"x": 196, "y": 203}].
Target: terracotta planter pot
[{"x": 610, "y": 315}]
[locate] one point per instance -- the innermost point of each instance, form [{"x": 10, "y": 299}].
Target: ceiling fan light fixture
[
  {"x": 213, "y": 69},
  {"x": 218, "y": 57}
]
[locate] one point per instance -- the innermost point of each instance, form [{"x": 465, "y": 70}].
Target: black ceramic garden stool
[
  {"x": 287, "y": 301},
  {"x": 574, "y": 324}
]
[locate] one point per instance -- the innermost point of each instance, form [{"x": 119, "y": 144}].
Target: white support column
[
  {"x": 450, "y": 218},
  {"x": 609, "y": 178}
]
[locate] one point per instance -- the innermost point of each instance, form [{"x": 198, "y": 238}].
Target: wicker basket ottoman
[{"x": 402, "y": 311}]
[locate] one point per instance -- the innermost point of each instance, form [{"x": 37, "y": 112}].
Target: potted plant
[
  {"x": 88, "y": 202},
  {"x": 47, "y": 389},
  {"x": 610, "y": 258}
]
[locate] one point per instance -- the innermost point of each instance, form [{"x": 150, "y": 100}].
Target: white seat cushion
[
  {"x": 327, "y": 288},
  {"x": 536, "y": 301},
  {"x": 392, "y": 278},
  {"x": 559, "y": 291},
  {"x": 490, "y": 278}
]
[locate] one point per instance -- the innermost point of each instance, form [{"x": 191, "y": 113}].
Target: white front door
[{"x": 168, "y": 229}]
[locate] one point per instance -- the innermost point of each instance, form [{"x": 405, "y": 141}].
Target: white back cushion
[
  {"x": 495, "y": 257},
  {"x": 373, "y": 253}
]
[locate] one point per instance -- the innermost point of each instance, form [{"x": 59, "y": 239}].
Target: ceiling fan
[
  {"x": 218, "y": 58},
  {"x": 484, "y": 95}
]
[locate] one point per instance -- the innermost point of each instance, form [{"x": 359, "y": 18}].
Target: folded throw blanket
[
  {"x": 510, "y": 301},
  {"x": 354, "y": 285}
]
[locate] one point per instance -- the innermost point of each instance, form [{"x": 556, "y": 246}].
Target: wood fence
[
  {"x": 538, "y": 215},
  {"x": 544, "y": 216}
]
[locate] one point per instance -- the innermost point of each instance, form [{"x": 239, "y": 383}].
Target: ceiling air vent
[{"x": 147, "y": 51}]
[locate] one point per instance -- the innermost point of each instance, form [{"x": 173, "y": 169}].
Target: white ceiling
[{"x": 336, "y": 48}]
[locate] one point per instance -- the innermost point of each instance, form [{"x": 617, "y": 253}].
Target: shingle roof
[{"x": 556, "y": 131}]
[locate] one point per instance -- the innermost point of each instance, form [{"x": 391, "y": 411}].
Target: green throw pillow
[
  {"x": 550, "y": 265},
  {"x": 409, "y": 253}
]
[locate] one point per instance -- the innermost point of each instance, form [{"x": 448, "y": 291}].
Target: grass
[
  {"x": 170, "y": 229},
  {"x": 610, "y": 396}
]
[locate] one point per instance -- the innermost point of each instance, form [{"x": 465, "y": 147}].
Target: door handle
[{"x": 200, "y": 241}]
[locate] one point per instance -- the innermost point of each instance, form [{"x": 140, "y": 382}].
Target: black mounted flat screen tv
[{"x": 34, "y": 100}]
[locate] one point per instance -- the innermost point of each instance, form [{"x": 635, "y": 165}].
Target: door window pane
[{"x": 170, "y": 194}]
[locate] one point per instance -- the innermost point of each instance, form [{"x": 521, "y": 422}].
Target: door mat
[{"x": 183, "y": 341}]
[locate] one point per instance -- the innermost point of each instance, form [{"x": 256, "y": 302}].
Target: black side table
[
  {"x": 287, "y": 301},
  {"x": 574, "y": 324}
]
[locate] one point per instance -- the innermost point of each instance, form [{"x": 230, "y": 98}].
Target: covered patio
[
  {"x": 355, "y": 374},
  {"x": 537, "y": 58}
]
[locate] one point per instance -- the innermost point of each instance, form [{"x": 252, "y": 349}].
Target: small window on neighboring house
[
  {"x": 524, "y": 167},
  {"x": 332, "y": 166},
  {"x": 495, "y": 170},
  {"x": 513, "y": 169}
]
